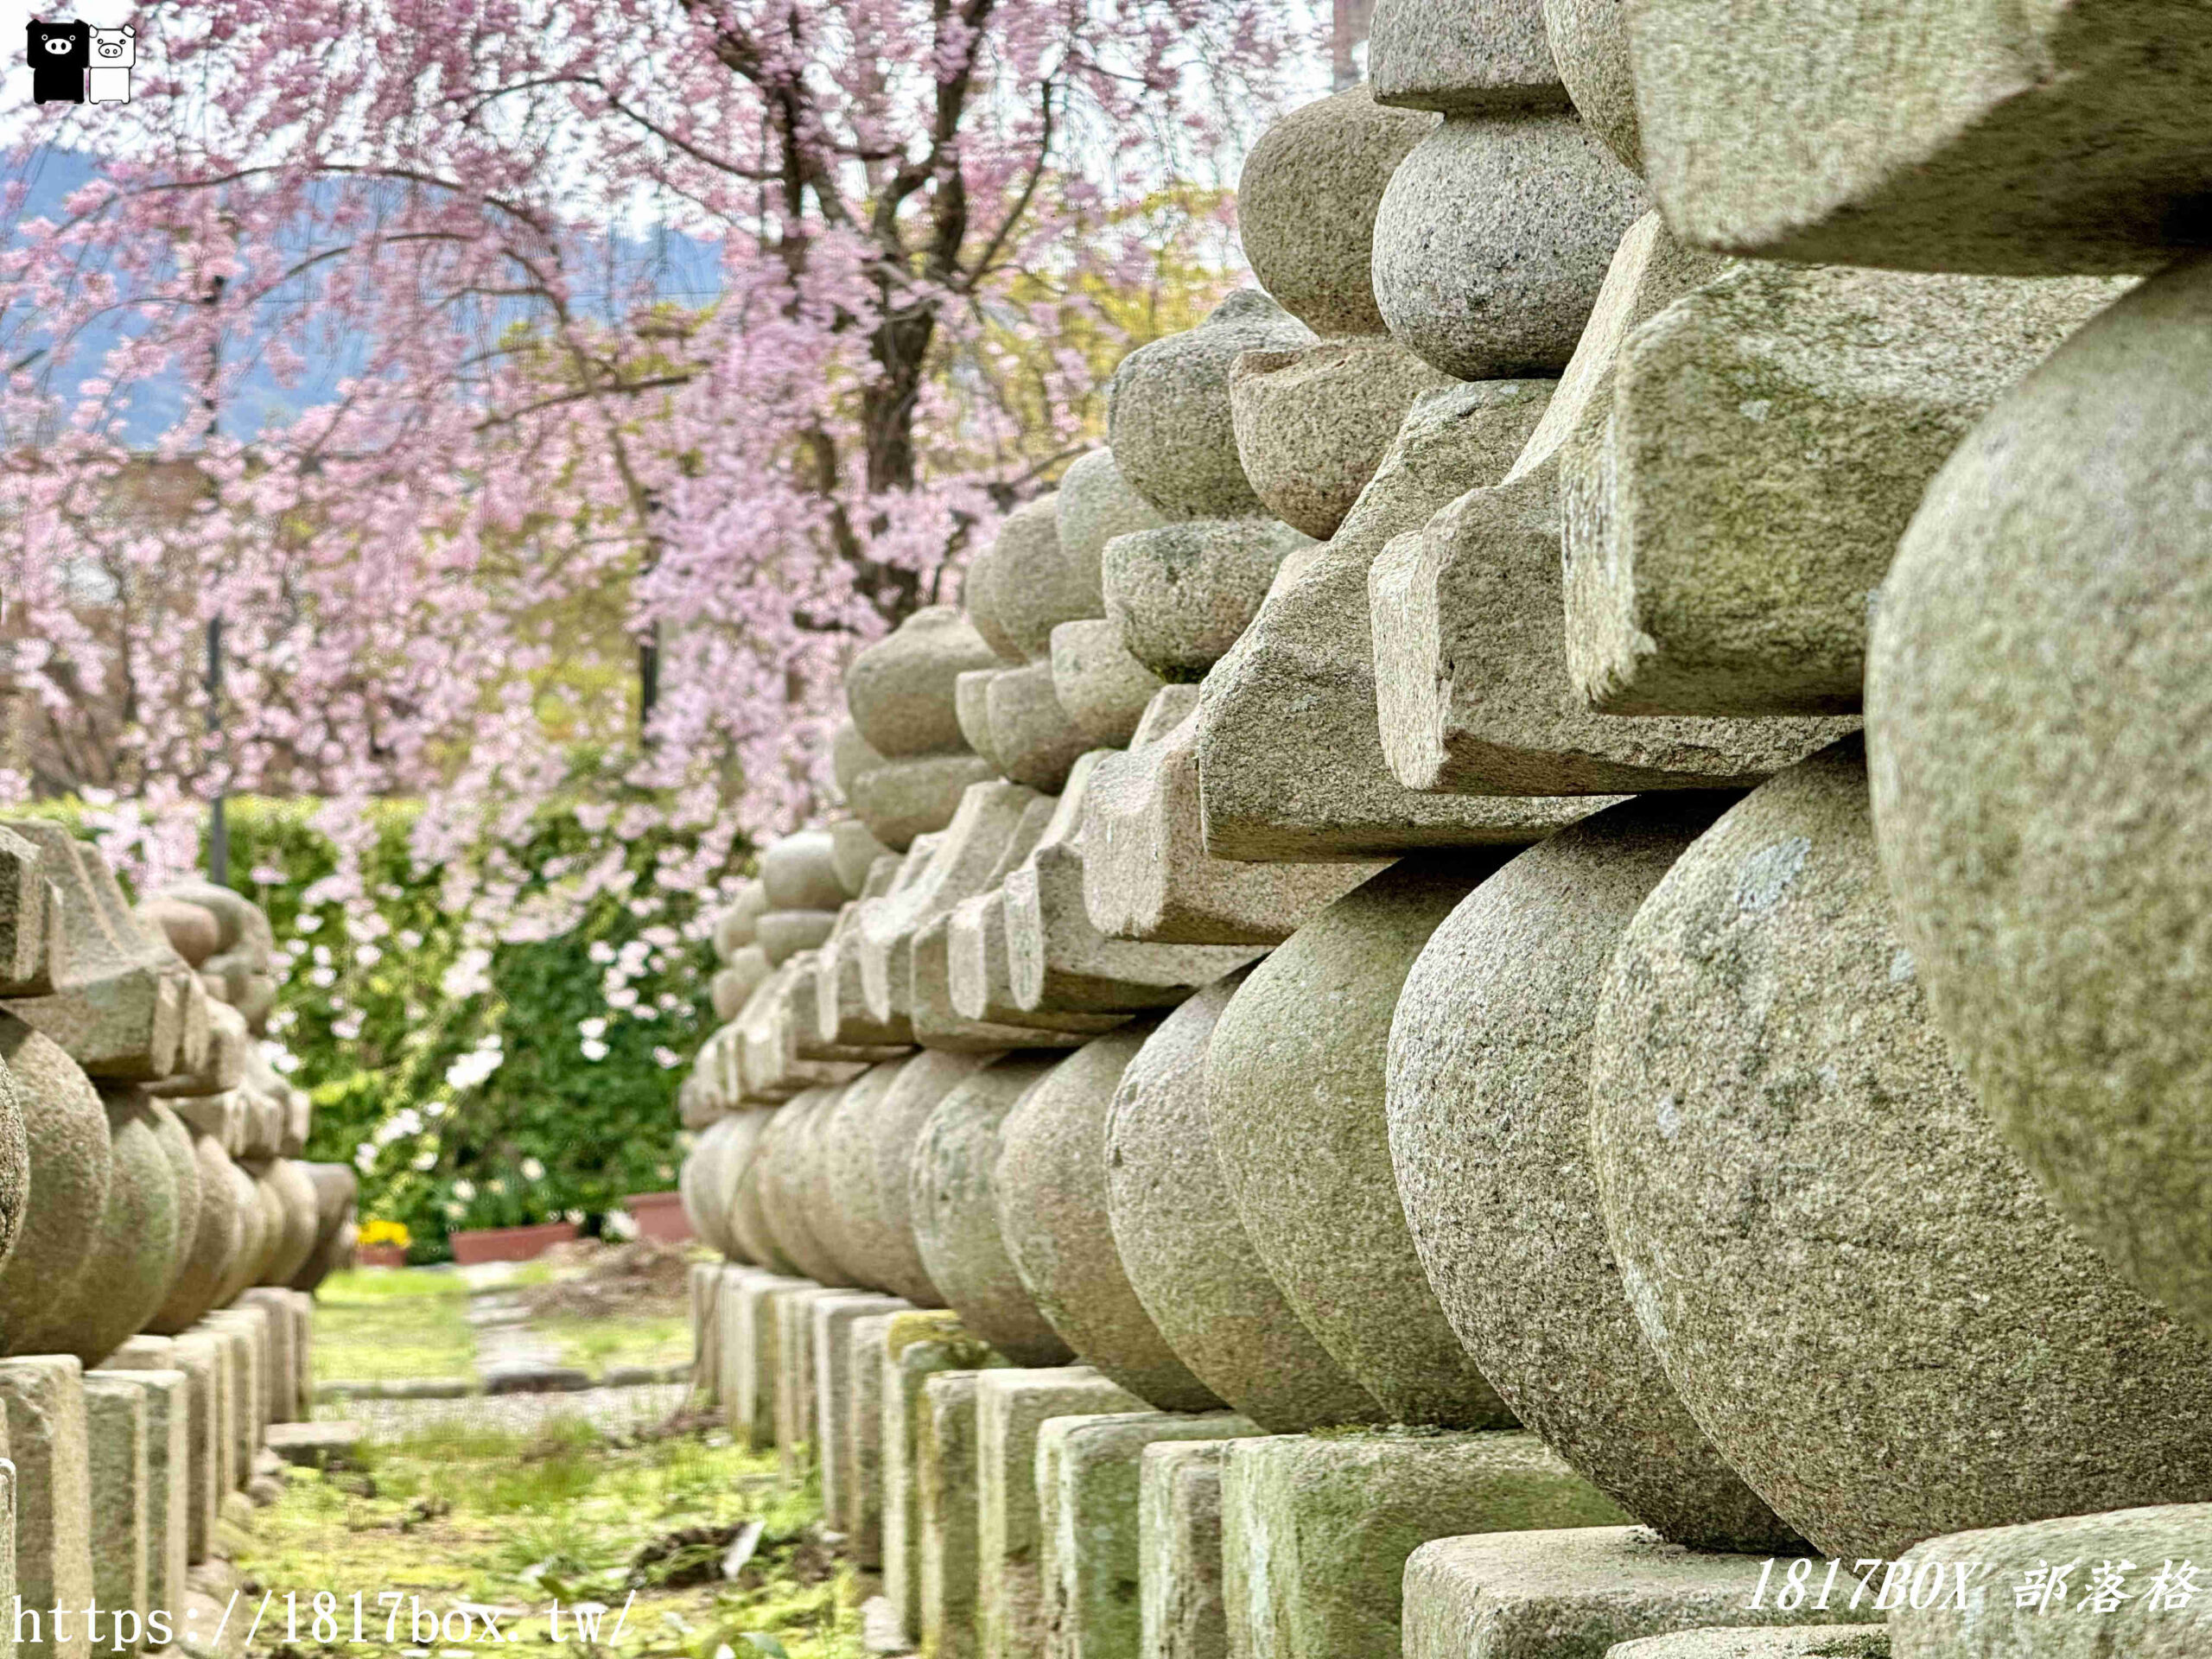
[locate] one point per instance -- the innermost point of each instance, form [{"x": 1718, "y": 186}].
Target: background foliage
[{"x": 485, "y": 1083}]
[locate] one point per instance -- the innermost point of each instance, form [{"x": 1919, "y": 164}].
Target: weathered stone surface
[
  {"x": 1534, "y": 1595},
  {"x": 1589, "y": 48},
  {"x": 1316, "y": 1528},
  {"x": 1180, "y": 1615},
  {"x": 1185, "y": 1249},
  {"x": 1434, "y": 54},
  {"x": 115, "y": 1442},
  {"x": 734, "y": 926},
  {"x": 797, "y": 1447},
  {"x": 1038, "y": 584},
  {"x": 1145, "y": 872},
  {"x": 2143, "y": 1625},
  {"x": 1058, "y": 960},
  {"x": 850, "y": 756},
  {"x": 946, "y": 1497},
  {"x": 1033, "y": 739},
  {"x": 899, "y": 689},
  {"x": 884, "y": 1230},
  {"x": 1488, "y": 1111},
  {"x": 983, "y": 978},
  {"x": 863, "y": 1442},
  {"x": 1182, "y": 592},
  {"x": 754, "y": 1357},
  {"x": 1095, "y": 503},
  {"x": 1473, "y": 693},
  {"x": 129, "y": 1253},
  {"x": 166, "y": 1395},
  {"x": 1012, "y": 1408},
  {"x": 2035, "y": 698},
  {"x": 840, "y": 1011},
  {"x": 746, "y": 1180},
  {"x": 1306, "y": 210},
  {"x": 1318, "y": 787},
  {"x": 781, "y": 1160},
  {"x": 1771, "y": 436},
  {"x": 1772, "y": 1642},
  {"x": 919, "y": 1348},
  {"x": 293, "y": 1186},
  {"x": 1931, "y": 136},
  {"x": 44, "y": 1396},
  {"x": 831, "y": 1320},
  {"x": 952, "y": 1204},
  {"x": 853, "y": 852},
  {"x": 800, "y": 873},
  {"x": 705, "y": 1191},
  {"x": 940, "y": 1022},
  {"x": 1493, "y": 238},
  {"x": 335, "y": 1188},
  {"x": 1766, "y": 1087},
  {"x": 990, "y": 815},
  {"x": 784, "y": 933},
  {"x": 840, "y": 1168},
  {"x": 1088, "y": 1479},
  {"x": 1295, "y": 1090},
  {"x": 196, "y": 1356},
  {"x": 1051, "y": 1187},
  {"x": 902, "y": 799},
  {"x": 972, "y": 703},
  {"x": 1168, "y": 419},
  {"x": 1100, "y": 687},
  {"x": 1313, "y": 424}
]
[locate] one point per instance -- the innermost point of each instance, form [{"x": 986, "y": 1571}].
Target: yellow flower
[{"x": 385, "y": 1232}]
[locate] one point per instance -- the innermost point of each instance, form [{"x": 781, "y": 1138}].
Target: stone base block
[
  {"x": 747, "y": 1368},
  {"x": 1012, "y": 1408},
  {"x": 168, "y": 1401},
  {"x": 1088, "y": 1479},
  {"x": 704, "y": 1282},
  {"x": 2147, "y": 1623},
  {"x": 114, "y": 1444},
  {"x": 280, "y": 1387},
  {"x": 199, "y": 1406},
  {"x": 1540, "y": 1595},
  {"x": 838, "y": 1395},
  {"x": 1763, "y": 1641},
  {"x": 1178, "y": 1551},
  {"x": 315, "y": 1445},
  {"x": 945, "y": 1514},
  {"x": 915, "y": 1347},
  {"x": 794, "y": 1389},
  {"x": 44, "y": 1395},
  {"x": 1316, "y": 1528}
]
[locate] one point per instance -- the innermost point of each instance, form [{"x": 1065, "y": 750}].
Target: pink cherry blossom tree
[{"x": 577, "y": 519}]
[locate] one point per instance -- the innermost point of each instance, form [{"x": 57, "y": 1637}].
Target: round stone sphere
[
  {"x": 131, "y": 1254},
  {"x": 953, "y": 1203},
  {"x": 184, "y": 1168},
  {"x": 1306, "y": 205},
  {"x": 276, "y": 1223},
  {"x": 1295, "y": 1081},
  {"x": 207, "y": 1258},
  {"x": 2038, "y": 702},
  {"x": 899, "y": 689},
  {"x": 734, "y": 1155},
  {"x": 1589, "y": 45},
  {"x": 1168, "y": 413},
  {"x": 800, "y": 873},
  {"x": 253, "y": 1235},
  {"x": 15, "y": 1161},
  {"x": 1051, "y": 1188},
  {"x": 287, "y": 1179},
  {"x": 700, "y": 1185},
  {"x": 1313, "y": 425},
  {"x": 336, "y": 1188},
  {"x": 1855, "y": 1287},
  {"x": 885, "y": 1229},
  {"x": 787, "y": 1148},
  {"x": 842, "y": 1151},
  {"x": 1490, "y": 1133},
  {"x": 1182, "y": 594},
  {"x": 851, "y": 757},
  {"x": 68, "y": 1167},
  {"x": 748, "y": 1204},
  {"x": 1094, "y": 505},
  {"x": 1494, "y": 238},
  {"x": 1035, "y": 587},
  {"x": 734, "y": 927},
  {"x": 1185, "y": 1251}
]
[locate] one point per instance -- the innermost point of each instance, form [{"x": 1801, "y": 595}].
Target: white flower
[
  {"x": 467, "y": 976},
  {"x": 464, "y": 1191},
  {"x": 593, "y": 1049},
  {"x": 409, "y": 939},
  {"x": 473, "y": 1067},
  {"x": 307, "y": 924},
  {"x": 495, "y": 1185},
  {"x": 364, "y": 1157},
  {"x": 620, "y": 1224},
  {"x": 667, "y": 1058},
  {"x": 455, "y": 1212},
  {"x": 625, "y": 998},
  {"x": 601, "y": 951},
  {"x": 367, "y": 956},
  {"x": 592, "y": 1028},
  {"x": 347, "y": 1029},
  {"x": 532, "y": 1170},
  {"x": 323, "y": 978},
  {"x": 285, "y": 1062},
  {"x": 424, "y": 1160}
]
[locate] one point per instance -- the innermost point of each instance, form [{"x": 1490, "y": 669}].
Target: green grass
[
  {"x": 459, "y": 1514},
  {"x": 629, "y": 1339},
  {"x": 372, "y": 1325}
]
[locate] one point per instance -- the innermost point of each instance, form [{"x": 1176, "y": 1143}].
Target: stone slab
[
  {"x": 750, "y": 1332},
  {"x": 1544, "y": 1594},
  {"x": 915, "y": 1347},
  {"x": 48, "y": 1442},
  {"x": 900, "y": 688},
  {"x": 1434, "y": 54},
  {"x": 1772, "y": 1642},
  {"x": 837, "y": 1399},
  {"x": 1087, "y": 1476},
  {"x": 313, "y": 1446},
  {"x": 1012, "y": 1408},
  {"x": 167, "y": 1396},
  {"x": 798, "y": 1448},
  {"x": 1928, "y": 137},
  {"x": 1316, "y": 1530},
  {"x": 1102, "y": 687},
  {"x": 902, "y": 799},
  {"x": 946, "y": 1513},
  {"x": 121, "y": 1496},
  {"x": 1180, "y": 1611},
  {"x": 1182, "y": 592}
]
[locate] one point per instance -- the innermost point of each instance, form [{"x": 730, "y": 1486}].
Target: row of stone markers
[
  {"x": 158, "y": 1238},
  {"x": 1367, "y": 1072}
]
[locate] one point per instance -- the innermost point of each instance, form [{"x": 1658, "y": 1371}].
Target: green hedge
[{"x": 475, "y": 1083}]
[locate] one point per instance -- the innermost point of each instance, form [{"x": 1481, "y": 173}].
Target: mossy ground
[
  {"x": 596, "y": 1344},
  {"x": 379, "y": 1323},
  {"x": 495, "y": 1520}
]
